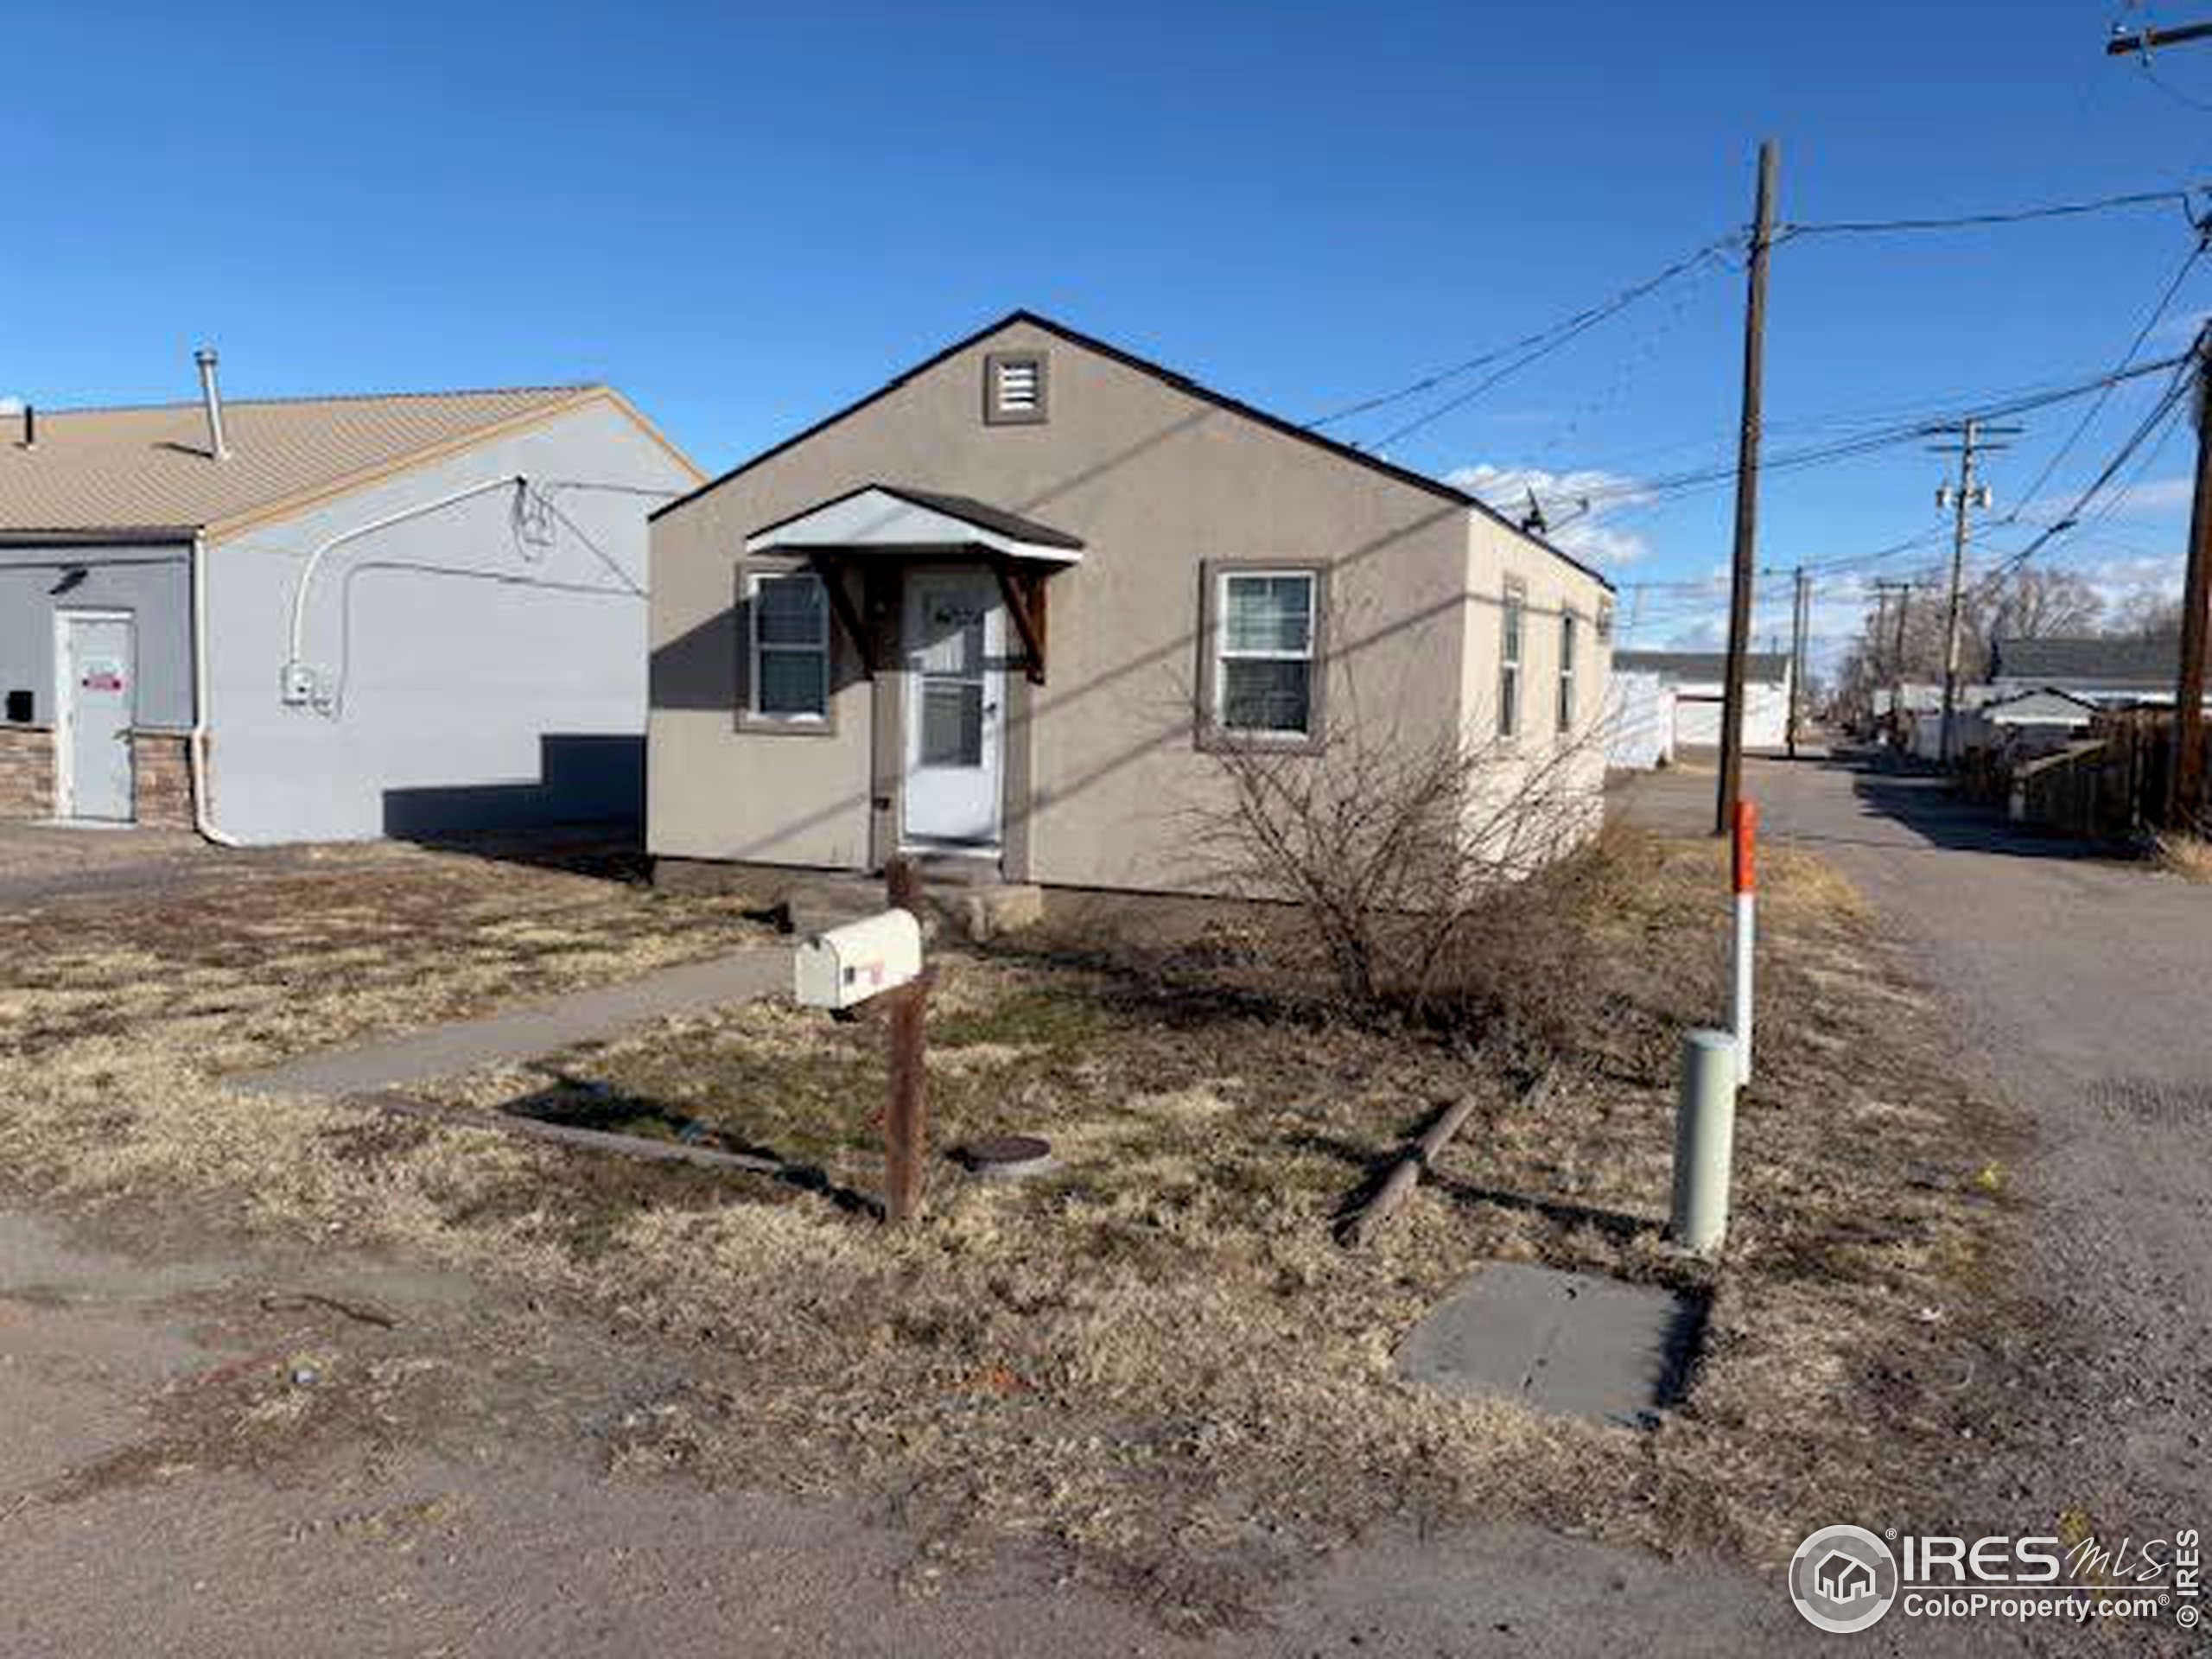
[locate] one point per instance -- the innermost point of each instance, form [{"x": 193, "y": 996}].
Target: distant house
[
  {"x": 1014, "y": 608},
  {"x": 2026, "y": 722},
  {"x": 1698, "y": 681},
  {"x": 319, "y": 617},
  {"x": 2099, "y": 669}
]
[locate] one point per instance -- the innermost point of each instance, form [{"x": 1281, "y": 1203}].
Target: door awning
[{"x": 893, "y": 519}]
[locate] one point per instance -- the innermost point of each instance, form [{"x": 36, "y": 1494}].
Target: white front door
[
  {"x": 955, "y": 689},
  {"x": 95, "y": 672}
]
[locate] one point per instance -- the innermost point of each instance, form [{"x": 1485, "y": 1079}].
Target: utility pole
[
  {"x": 1747, "y": 495},
  {"x": 1882, "y": 592},
  {"x": 2186, "y": 810},
  {"x": 1801, "y": 588},
  {"x": 2185, "y": 800},
  {"x": 1974, "y": 439},
  {"x": 1877, "y": 634}
]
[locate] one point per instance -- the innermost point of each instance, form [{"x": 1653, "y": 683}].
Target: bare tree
[
  {"x": 2148, "y": 614},
  {"x": 2026, "y": 603},
  {"x": 2036, "y": 603}
]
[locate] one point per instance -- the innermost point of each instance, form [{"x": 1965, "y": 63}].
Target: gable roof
[
  {"x": 2041, "y": 700},
  {"x": 147, "y": 467},
  {"x": 2089, "y": 659},
  {"x": 1768, "y": 667},
  {"x": 1181, "y": 383}
]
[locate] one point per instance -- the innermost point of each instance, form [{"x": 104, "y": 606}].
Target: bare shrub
[{"x": 1426, "y": 877}]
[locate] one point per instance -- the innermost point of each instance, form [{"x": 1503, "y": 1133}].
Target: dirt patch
[{"x": 1156, "y": 1358}]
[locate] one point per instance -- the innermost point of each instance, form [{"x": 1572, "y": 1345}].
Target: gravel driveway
[{"x": 2082, "y": 988}]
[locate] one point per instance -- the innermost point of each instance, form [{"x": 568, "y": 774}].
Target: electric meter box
[{"x": 849, "y": 964}]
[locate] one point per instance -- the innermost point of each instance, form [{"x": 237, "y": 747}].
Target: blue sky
[{"x": 746, "y": 215}]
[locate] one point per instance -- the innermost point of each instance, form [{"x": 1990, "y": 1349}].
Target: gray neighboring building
[
  {"x": 328, "y": 618},
  {"x": 1010, "y": 608},
  {"x": 2095, "y": 668}
]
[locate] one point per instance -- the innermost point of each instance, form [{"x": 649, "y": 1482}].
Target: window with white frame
[
  {"x": 1566, "y": 646},
  {"x": 1263, "y": 652},
  {"x": 1512, "y": 617},
  {"x": 790, "y": 677}
]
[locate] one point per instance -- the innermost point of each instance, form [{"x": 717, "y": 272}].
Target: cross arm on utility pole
[{"x": 2120, "y": 46}]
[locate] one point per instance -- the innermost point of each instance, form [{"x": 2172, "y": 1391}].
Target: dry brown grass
[
  {"x": 2184, "y": 856},
  {"x": 1157, "y": 1358}
]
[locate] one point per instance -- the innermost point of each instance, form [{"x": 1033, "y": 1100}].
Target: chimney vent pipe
[{"x": 211, "y": 395}]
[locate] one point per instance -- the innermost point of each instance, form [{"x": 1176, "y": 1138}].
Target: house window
[
  {"x": 790, "y": 646},
  {"x": 1566, "y": 644},
  {"x": 1605, "y": 621},
  {"x": 1511, "y": 617},
  {"x": 1263, "y": 652},
  {"x": 1014, "y": 388}
]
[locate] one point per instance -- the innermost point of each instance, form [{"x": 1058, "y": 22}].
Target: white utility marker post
[
  {"x": 1746, "y": 836},
  {"x": 1705, "y": 1141}
]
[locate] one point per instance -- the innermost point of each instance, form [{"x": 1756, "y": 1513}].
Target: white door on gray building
[
  {"x": 95, "y": 667},
  {"x": 955, "y": 689}
]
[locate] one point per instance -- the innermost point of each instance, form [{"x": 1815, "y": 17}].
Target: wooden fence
[{"x": 2110, "y": 785}]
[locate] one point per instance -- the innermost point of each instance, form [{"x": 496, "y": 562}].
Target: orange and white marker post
[{"x": 1745, "y": 828}]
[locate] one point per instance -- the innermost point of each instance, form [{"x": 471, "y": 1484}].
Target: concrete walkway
[{"x": 526, "y": 1032}]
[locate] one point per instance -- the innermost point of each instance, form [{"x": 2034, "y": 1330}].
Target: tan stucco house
[{"x": 1009, "y": 606}]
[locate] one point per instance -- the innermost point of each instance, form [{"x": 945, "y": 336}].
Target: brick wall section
[
  {"x": 163, "y": 764},
  {"x": 26, "y": 772},
  {"x": 162, "y": 760}
]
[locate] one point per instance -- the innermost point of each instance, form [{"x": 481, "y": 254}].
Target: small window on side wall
[
  {"x": 1512, "y": 625},
  {"x": 1265, "y": 628},
  {"x": 1016, "y": 388},
  {"x": 1567, "y": 643},
  {"x": 789, "y": 650}
]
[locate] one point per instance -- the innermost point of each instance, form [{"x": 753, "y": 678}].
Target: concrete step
[{"x": 971, "y": 908}]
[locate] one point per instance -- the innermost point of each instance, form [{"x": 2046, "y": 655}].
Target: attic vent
[{"x": 1013, "y": 388}]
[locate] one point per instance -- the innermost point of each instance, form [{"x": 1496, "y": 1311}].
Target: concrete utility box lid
[{"x": 1571, "y": 1343}]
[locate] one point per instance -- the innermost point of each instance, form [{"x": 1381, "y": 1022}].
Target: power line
[
  {"x": 1644, "y": 491},
  {"x": 1566, "y": 329},
  {"x": 2168, "y": 89},
  {"x": 2179, "y": 196},
  {"x": 2090, "y": 414},
  {"x": 2169, "y": 402}
]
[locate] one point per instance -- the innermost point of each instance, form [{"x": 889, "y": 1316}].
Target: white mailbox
[{"x": 851, "y": 964}]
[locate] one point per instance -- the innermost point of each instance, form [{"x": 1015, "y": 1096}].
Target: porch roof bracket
[
  {"x": 1025, "y": 602},
  {"x": 828, "y": 567}
]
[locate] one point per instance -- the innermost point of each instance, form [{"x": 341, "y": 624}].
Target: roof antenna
[
  {"x": 211, "y": 395},
  {"x": 1532, "y": 522}
]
